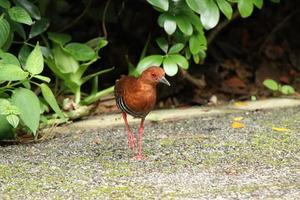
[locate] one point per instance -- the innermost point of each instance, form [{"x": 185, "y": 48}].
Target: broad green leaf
[
  {"x": 195, "y": 5},
  {"x": 97, "y": 43},
  {"x": 23, "y": 54},
  {"x": 287, "y": 89},
  {"x": 50, "y": 99},
  {"x": 6, "y": 130},
  {"x": 245, "y": 8},
  {"x": 258, "y": 3},
  {"x": 226, "y": 8},
  {"x": 20, "y": 15},
  {"x": 9, "y": 41},
  {"x": 4, "y": 31},
  {"x": 184, "y": 25},
  {"x": 180, "y": 61},
  {"x": 148, "y": 61},
  {"x": 13, "y": 120},
  {"x": 59, "y": 38},
  {"x": 35, "y": 61},
  {"x": 9, "y": 72},
  {"x": 19, "y": 28},
  {"x": 46, "y": 52},
  {"x": 8, "y": 58},
  {"x": 194, "y": 44},
  {"x": 170, "y": 66},
  {"x": 39, "y": 27},
  {"x": 170, "y": 25},
  {"x": 5, "y": 4},
  {"x": 29, "y": 106},
  {"x": 42, "y": 78},
  {"x": 64, "y": 61},
  {"x": 196, "y": 58},
  {"x": 32, "y": 9},
  {"x": 162, "y": 4},
  {"x": 80, "y": 52},
  {"x": 176, "y": 48},
  {"x": 163, "y": 44},
  {"x": 210, "y": 15},
  {"x": 271, "y": 84}
]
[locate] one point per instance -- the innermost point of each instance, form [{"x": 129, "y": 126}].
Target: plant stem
[
  {"x": 77, "y": 95},
  {"x": 92, "y": 98}
]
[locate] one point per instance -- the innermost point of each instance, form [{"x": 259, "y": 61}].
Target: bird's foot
[{"x": 140, "y": 157}]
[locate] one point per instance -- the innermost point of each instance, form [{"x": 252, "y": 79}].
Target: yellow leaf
[
  {"x": 280, "y": 129},
  {"x": 238, "y": 118},
  {"x": 240, "y": 104},
  {"x": 237, "y": 125}
]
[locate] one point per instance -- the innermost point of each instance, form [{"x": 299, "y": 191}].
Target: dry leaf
[
  {"x": 240, "y": 104},
  {"x": 279, "y": 129},
  {"x": 238, "y": 118},
  {"x": 237, "y": 125}
]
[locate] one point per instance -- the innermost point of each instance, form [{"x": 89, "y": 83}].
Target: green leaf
[
  {"x": 287, "y": 89},
  {"x": 29, "y": 106},
  {"x": 194, "y": 44},
  {"x": 6, "y": 108},
  {"x": 196, "y": 58},
  {"x": 35, "y": 61},
  {"x": 148, "y": 61},
  {"x": 32, "y": 9},
  {"x": 176, "y": 48},
  {"x": 97, "y": 43},
  {"x": 39, "y": 27},
  {"x": 195, "y": 5},
  {"x": 258, "y": 3},
  {"x": 180, "y": 61},
  {"x": 42, "y": 78},
  {"x": 170, "y": 25},
  {"x": 5, "y": 4},
  {"x": 51, "y": 100},
  {"x": 271, "y": 84},
  {"x": 19, "y": 28},
  {"x": 162, "y": 4},
  {"x": 6, "y": 130},
  {"x": 59, "y": 38},
  {"x": 163, "y": 44},
  {"x": 13, "y": 120},
  {"x": 245, "y": 8},
  {"x": 80, "y": 52},
  {"x": 170, "y": 66},
  {"x": 8, "y": 58},
  {"x": 226, "y": 8},
  {"x": 9, "y": 72},
  {"x": 210, "y": 14},
  {"x": 64, "y": 61},
  {"x": 4, "y": 31},
  {"x": 23, "y": 54},
  {"x": 184, "y": 25},
  {"x": 20, "y": 15}
]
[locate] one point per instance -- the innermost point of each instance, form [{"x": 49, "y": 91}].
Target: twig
[
  {"x": 103, "y": 19},
  {"x": 77, "y": 18},
  {"x": 213, "y": 34},
  {"x": 275, "y": 29},
  {"x": 199, "y": 83}
]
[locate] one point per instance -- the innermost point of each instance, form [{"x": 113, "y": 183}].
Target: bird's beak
[{"x": 164, "y": 81}]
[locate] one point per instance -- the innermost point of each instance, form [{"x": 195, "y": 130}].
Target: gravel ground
[{"x": 199, "y": 158}]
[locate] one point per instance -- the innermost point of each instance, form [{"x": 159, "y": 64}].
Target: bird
[{"x": 137, "y": 97}]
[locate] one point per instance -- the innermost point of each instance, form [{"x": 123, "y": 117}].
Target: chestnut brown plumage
[{"x": 137, "y": 97}]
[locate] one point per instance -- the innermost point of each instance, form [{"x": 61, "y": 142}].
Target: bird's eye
[{"x": 153, "y": 75}]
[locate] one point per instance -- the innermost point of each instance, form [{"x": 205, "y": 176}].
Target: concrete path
[{"x": 231, "y": 154}]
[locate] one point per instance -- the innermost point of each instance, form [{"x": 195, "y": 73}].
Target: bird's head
[{"x": 154, "y": 75}]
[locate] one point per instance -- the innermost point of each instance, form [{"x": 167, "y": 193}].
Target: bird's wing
[{"x": 120, "y": 89}]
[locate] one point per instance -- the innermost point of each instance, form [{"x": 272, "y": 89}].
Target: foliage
[
  {"x": 185, "y": 22},
  {"x": 277, "y": 87}
]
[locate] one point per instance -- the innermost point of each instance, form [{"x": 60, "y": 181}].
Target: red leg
[
  {"x": 141, "y": 130},
  {"x": 131, "y": 139}
]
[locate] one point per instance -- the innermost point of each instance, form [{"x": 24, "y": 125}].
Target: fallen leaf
[
  {"x": 237, "y": 125},
  {"x": 238, "y": 118},
  {"x": 235, "y": 82},
  {"x": 240, "y": 104},
  {"x": 279, "y": 129}
]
